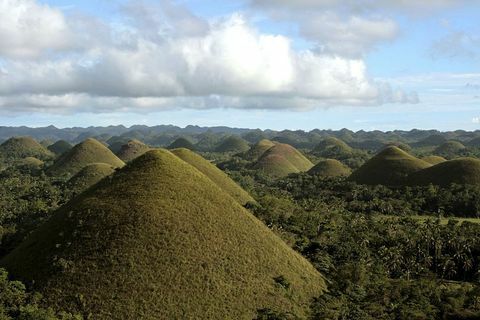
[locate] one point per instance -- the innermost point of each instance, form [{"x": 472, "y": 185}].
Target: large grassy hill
[
  {"x": 450, "y": 148},
  {"x": 258, "y": 149},
  {"x": 85, "y": 153},
  {"x": 330, "y": 168},
  {"x": 332, "y": 147},
  {"x": 459, "y": 171},
  {"x": 215, "y": 174},
  {"x": 181, "y": 143},
  {"x": 389, "y": 167},
  {"x": 434, "y": 159},
  {"x": 131, "y": 150},
  {"x": 17, "y": 148},
  {"x": 281, "y": 160},
  {"x": 160, "y": 240}
]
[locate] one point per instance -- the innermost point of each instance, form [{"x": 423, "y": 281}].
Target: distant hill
[
  {"x": 85, "y": 153},
  {"x": 132, "y": 150},
  {"x": 233, "y": 144},
  {"x": 450, "y": 148},
  {"x": 434, "y": 159},
  {"x": 330, "y": 168},
  {"x": 21, "y": 147},
  {"x": 258, "y": 149},
  {"x": 215, "y": 174},
  {"x": 160, "y": 240},
  {"x": 389, "y": 167},
  {"x": 475, "y": 142},
  {"x": 89, "y": 175},
  {"x": 281, "y": 160},
  {"x": 433, "y": 140},
  {"x": 405, "y": 147},
  {"x": 181, "y": 143},
  {"x": 60, "y": 147},
  {"x": 332, "y": 147},
  {"x": 459, "y": 171},
  {"x": 30, "y": 163}
]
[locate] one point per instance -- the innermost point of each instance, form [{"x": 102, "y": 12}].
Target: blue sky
[{"x": 278, "y": 64}]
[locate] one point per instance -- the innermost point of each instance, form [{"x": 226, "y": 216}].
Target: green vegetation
[
  {"x": 60, "y": 147},
  {"x": 21, "y": 147},
  {"x": 332, "y": 147},
  {"x": 459, "y": 171},
  {"x": 132, "y": 150},
  {"x": 330, "y": 168},
  {"x": 88, "y": 176},
  {"x": 216, "y": 175},
  {"x": 232, "y": 144},
  {"x": 450, "y": 149},
  {"x": 85, "y": 153},
  {"x": 281, "y": 160},
  {"x": 171, "y": 244},
  {"x": 181, "y": 143},
  {"x": 389, "y": 167}
]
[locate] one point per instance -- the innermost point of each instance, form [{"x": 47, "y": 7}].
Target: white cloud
[
  {"x": 169, "y": 58},
  {"x": 28, "y": 29}
]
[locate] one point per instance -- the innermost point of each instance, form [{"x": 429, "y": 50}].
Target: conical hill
[
  {"x": 460, "y": 171},
  {"x": 17, "y": 148},
  {"x": 81, "y": 155},
  {"x": 258, "y": 149},
  {"x": 181, "y": 143},
  {"x": 131, "y": 150},
  {"x": 281, "y": 160},
  {"x": 330, "y": 168},
  {"x": 215, "y": 174},
  {"x": 89, "y": 175},
  {"x": 434, "y": 159},
  {"x": 160, "y": 240},
  {"x": 389, "y": 167},
  {"x": 233, "y": 144},
  {"x": 60, "y": 147}
]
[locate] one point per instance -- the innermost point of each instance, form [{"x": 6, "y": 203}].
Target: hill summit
[
  {"x": 232, "y": 144},
  {"x": 89, "y": 175},
  {"x": 391, "y": 166},
  {"x": 258, "y": 149},
  {"x": 131, "y": 150},
  {"x": 181, "y": 143},
  {"x": 21, "y": 147},
  {"x": 330, "y": 168},
  {"x": 281, "y": 160},
  {"x": 82, "y": 154},
  {"x": 160, "y": 240},
  {"x": 332, "y": 147},
  {"x": 60, "y": 147}
]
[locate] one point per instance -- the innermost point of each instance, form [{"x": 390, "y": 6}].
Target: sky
[{"x": 276, "y": 64}]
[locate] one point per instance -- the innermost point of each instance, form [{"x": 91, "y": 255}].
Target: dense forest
[{"x": 403, "y": 250}]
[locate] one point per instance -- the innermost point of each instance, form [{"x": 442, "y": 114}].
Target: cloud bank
[{"x": 159, "y": 57}]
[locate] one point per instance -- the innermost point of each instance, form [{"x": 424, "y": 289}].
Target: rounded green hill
[
  {"x": 330, "y": 168},
  {"x": 233, "y": 144},
  {"x": 181, "y": 143},
  {"x": 281, "y": 160},
  {"x": 434, "y": 159},
  {"x": 132, "y": 150},
  {"x": 332, "y": 147},
  {"x": 17, "y": 148},
  {"x": 60, "y": 147},
  {"x": 89, "y": 175},
  {"x": 215, "y": 174},
  {"x": 459, "y": 171},
  {"x": 431, "y": 140},
  {"x": 450, "y": 148},
  {"x": 258, "y": 149},
  {"x": 81, "y": 155},
  {"x": 401, "y": 145},
  {"x": 389, "y": 167},
  {"x": 30, "y": 163},
  {"x": 160, "y": 240}
]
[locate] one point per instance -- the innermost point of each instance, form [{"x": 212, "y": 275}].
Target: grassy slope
[
  {"x": 181, "y": 143},
  {"x": 22, "y": 147},
  {"x": 215, "y": 174},
  {"x": 434, "y": 159},
  {"x": 460, "y": 171},
  {"x": 330, "y": 168},
  {"x": 90, "y": 175},
  {"x": 132, "y": 150},
  {"x": 449, "y": 147},
  {"x": 281, "y": 160},
  {"x": 331, "y": 146},
  {"x": 389, "y": 167},
  {"x": 159, "y": 240},
  {"x": 84, "y": 153}
]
